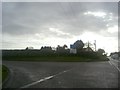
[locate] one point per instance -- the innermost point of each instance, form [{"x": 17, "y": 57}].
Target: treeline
[{"x": 48, "y": 53}]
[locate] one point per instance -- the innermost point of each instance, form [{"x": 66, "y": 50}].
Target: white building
[
  {"x": 29, "y": 48},
  {"x": 73, "y": 51}
]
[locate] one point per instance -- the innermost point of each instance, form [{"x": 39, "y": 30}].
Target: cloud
[
  {"x": 98, "y": 14},
  {"x": 28, "y": 18}
]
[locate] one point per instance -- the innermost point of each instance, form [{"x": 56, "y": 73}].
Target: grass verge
[
  {"x": 4, "y": 73},
  {"x": 56, "y": 59}
]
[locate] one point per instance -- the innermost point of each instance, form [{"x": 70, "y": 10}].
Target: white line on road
[
  {"x": 42, "y": 80},
  {"x": 114, "y": 66},
  {"x": 110, "y": 62}
]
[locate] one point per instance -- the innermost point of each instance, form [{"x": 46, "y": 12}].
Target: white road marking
[
  {"x": 44, "y": 79},
  {"x": 118, "y": 69},
  {"x": 110, "y": 62},
  {"x": 114, "y": 66}
]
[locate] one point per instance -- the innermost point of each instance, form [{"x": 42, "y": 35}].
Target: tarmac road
[{"x": 61, "y": 75}]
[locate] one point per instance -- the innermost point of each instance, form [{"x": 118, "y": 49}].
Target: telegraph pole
[
  {"x": 88, "y": 46},
  {"x": 95, "y": 45}
]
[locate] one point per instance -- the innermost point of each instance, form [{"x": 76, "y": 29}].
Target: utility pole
[
  {"x": 95, "y": 45},
  {"x": 88, "y": 46}
]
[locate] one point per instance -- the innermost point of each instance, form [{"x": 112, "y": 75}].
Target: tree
[
  {"x": 65, "y": 46},
  {"x": 62, "y": 49},
  {"x": 26, "y": 48},
  {"x": 101, "y": 51},
  {"x": 88, "y": 45}
]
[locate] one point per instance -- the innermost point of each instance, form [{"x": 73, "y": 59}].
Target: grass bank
[
  {"x": 56, "y": 59},
  {"x": 5, "y": 72},
  {"x": 38, "y": 55}
]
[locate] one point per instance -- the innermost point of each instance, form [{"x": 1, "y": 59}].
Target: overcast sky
[{"x": 39, "y": 24}]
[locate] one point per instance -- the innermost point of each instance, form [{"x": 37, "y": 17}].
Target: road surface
[
  {"x": 115, "y": 63},
  {"x": 61, "y": 75}
]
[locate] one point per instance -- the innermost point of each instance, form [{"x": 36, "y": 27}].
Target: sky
[{"x": 37, "y": 24}]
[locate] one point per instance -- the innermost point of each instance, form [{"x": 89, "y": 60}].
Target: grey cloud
[{"x": 30, "y": 18}]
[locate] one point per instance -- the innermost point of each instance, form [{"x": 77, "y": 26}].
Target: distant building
[
  {"x": 78, "y": 45},
  {"x": 29, "y": 48}
]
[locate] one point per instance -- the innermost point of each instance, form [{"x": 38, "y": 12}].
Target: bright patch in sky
[
  {"x": 57, "y": 31},
  {"x": 101, "y": 42},
  {"x": 97, "y": 14},
  {"x": 113, "y": 29}
]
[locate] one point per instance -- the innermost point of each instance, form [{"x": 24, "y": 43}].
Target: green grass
[
  {"x": 56, "y": 59},
  {"x": 4, "y": 72},
  {"x": 0, "y": 73}
]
